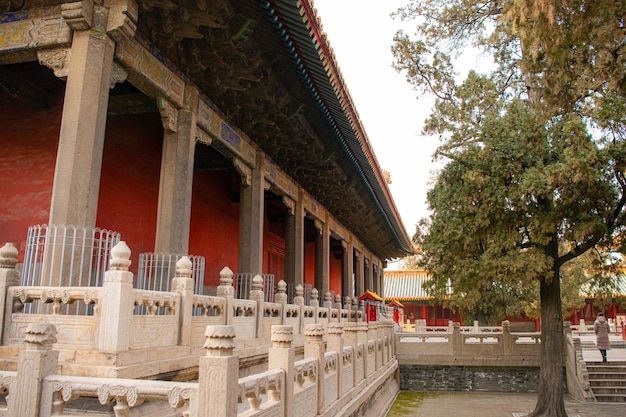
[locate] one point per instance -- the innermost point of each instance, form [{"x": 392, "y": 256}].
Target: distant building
[{"x": 406, "y": 287}]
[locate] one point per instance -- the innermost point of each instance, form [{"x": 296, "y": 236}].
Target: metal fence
[
  {"x": 242, "y": 281},
  {"x": 291, "y": 293},
  {"x": 156, "y": 271},
  {"x": 66, "y": 255}
]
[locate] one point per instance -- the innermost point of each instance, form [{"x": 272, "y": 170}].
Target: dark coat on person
[{"x": 601, "y": 329}]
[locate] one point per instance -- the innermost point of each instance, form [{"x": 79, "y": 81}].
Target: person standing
[{"x": 601, "y": 329}]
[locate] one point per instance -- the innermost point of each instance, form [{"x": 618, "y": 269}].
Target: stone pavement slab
[{"x": 489, "y": 404}]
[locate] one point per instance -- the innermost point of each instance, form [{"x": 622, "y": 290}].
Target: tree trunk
[{"x": 551, "y": 400}]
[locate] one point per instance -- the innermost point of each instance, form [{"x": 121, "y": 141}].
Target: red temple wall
[
  {"x": 27, "y": 164},
  {"x": 335, "y": 272},
  {"x": 309, "y": 265},
  {"x": 214, "y": 224},
  {"x": 129, "y": 183}
]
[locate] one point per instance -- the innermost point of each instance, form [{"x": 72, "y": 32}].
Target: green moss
[{"x": 407, "y": 403}]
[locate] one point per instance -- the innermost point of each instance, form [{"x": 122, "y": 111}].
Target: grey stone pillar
[
  {"x": 81, "y": 140},
  {"x": 376, "y": 287},
  {"x": 369, "y": 275},
  {"x": 294, "y": 244},
  {"x": 347, "y": 279},
  {"x": 251, "y": 214},
  {"x": 322, "y": 257},
  {"x": 176, "y": 182},
  {"x": 359, "y": 273}
]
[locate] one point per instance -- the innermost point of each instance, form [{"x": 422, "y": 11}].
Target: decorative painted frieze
[
  {"x": 149, "y": 72},
  {"x": 23, "y": 33}
]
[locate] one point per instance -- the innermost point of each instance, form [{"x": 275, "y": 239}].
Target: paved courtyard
[
  {"x": 490, "y": 404},
  {"x": 494, "y": 404}
]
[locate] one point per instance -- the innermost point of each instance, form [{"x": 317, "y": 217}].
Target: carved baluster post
[
  {"x": 457, "y": 340},
  {"x": 506, "y": 337},
  {"x": 9, "y": 277},
  {"x": 335, "y": 343},
  {"x": 281, "y": 298},
  {"x": 362, "y": 310},
  {"x": 314, "y": 348},
  {"x": 183, "y": 284},
  {"x": 361, "y": 338},
  {"x": 218, "y": 375},
  {"x": 372, "y": 334},
  {"x": 328, "y": 301},
  {"x": 299, "y": 301},
  {"x": 282, "y": 355},
  {"x": 355, "y": 309},
  {"x": 382, "y": 345},
  {"x": 226, "y": 290},
  {"x": 257, "y": 294},
  {"x": 350, "y": 339},
  {"x": 34, "y": 363},
  {"x": 116, "y": 302},
  {"x": 337, "y": 305},
  {"x": 315, "y": 302},
  {"x": 347, "y": 305}
]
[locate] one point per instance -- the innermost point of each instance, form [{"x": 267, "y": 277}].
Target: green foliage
[
  {"x": 535, "y": 149},
  {"x": 535, "y": 153}
]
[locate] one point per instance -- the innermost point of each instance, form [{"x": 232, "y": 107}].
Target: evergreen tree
[{"x": 535, "y": 150}]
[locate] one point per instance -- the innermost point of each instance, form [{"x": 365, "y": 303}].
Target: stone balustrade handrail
[
  {"x": 258, "y": 389},
  {"x": 127, "y": 393},
  {"x": 288, "y": 384},
  {"x": 153, "y": 300},
  {"x": 209, "y": 303},
  {"x": 57, "y": 296}
]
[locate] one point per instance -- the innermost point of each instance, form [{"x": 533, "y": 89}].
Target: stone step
[
  {"x": 608, "y": 382},
  {"x": 606, "y": 375},
  {"x": 609, "y": 390},
  {"x": 611, "y": 398}
]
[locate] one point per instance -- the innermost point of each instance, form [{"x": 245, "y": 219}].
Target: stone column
[
  {"x": 116, "y": 302},
  {"x": 322, "y": 257},
  {"x": 369, "y": 276},
  {"x": 347, "y": 281},
  {"x": 314, "y": 348},
  {"x": 294, "y": 244},
  {"x": 251, "y": 215},
  {"x": 176, "y": 180},
  {"x": 282, "y": 356},
  {"x": 9, "y": 277},
  {"x": 359, "y": 273},
  {"x": 218, "y": 374},
  {"x": 34, "y": 363},
  {"x": 81, "y": 140},
  {"x": 183, "y": 284},
  {"x": 335, "y": 343}
]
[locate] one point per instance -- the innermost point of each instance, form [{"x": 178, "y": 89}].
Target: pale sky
[{"x": 361, "y": 34}]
